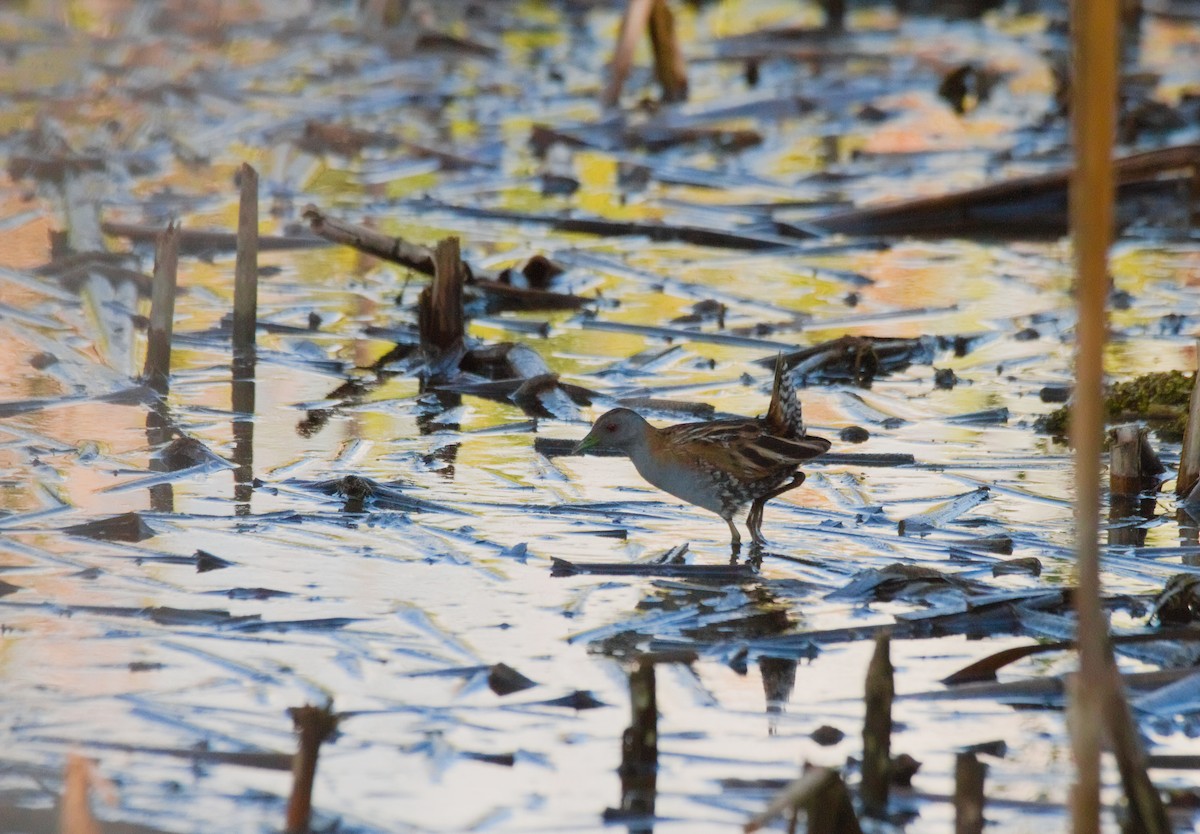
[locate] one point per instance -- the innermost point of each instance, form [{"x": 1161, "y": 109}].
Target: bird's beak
[{"x": 588, "y": 442}]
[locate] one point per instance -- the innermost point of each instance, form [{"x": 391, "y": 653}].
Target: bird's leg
[
  {"x": 755, "y": 517},
  {"x": 735, "y": 538},
  {"x": 754, "y": 521}
]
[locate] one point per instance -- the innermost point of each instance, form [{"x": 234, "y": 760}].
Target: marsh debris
[
  {"x": 127, "y": 527},
  {"x": 862, "y": 359}
]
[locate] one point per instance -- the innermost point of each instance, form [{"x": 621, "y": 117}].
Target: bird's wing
[{"x": 740, "y": 447}]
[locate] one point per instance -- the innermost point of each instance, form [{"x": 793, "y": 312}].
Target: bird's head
[{"x": 619, "y": 429}]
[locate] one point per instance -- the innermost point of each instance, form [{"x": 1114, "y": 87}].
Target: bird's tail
[{"x": 785, "y": 417}]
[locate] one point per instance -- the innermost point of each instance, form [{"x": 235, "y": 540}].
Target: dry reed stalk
[
  {"x": 162, "y": 310},
  {"x": 1093, "y": 112},
  {"x": 245, "y": 289}
]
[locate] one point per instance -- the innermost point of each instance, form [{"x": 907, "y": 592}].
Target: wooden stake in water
[
  {"x": 877, "y": 731},
  {"x": 162, "y": 311},
  {"x": 315, "y": 725},
  {"x": 245, "y": 290},
  {"x": 1093, "y": 115}
]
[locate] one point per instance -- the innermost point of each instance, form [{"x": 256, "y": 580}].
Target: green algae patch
[{"x": 1160, "y": 398}]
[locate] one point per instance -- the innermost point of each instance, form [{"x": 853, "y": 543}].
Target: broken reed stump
[
  {"x": 1189, "y": 455},
  {"x": 1134, "y": 466},
  {"x": 245, "y": 287},
  {"x": 654, "y": 17},
  {"x": 440, "y": 310},
  {"x": 314, "y": 725},
  {"x": 877, "y": 731},
  {"x": 1033, "y": 206},
  {"x": 1133, "y": 475},
  {"x": 162, "y": 311},
  {"x": 969, "y": 775}
]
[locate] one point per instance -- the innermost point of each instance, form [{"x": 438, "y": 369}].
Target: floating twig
[
  {"x": 419, "y": 258},
  {"x": 661, "y": 232},
  {"x": 944, "y": 513},
  {"x": 1034, "y": 206},
  {"x": 722, "y": 573}
]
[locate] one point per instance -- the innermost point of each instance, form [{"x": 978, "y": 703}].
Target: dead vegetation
[{"x": 634, "y": 291}]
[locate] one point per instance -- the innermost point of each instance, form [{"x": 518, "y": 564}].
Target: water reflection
[
  {"x": 1128, "y": 516},
  {"x": 159, "y": 429},
  {"x": 639, "y": 752},
  {"x": 243, "y": 432},
  {"x": 778, "y": 680},
  {"x": 434, "y": 404}
]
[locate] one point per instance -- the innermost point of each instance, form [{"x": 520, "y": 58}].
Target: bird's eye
[{"x": 610, "y": 427}]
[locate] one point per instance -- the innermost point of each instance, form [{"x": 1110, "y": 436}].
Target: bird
[{"x": 718, "y": 465}]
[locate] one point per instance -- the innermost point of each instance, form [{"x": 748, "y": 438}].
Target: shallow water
[{"x": 126, "y": 652}]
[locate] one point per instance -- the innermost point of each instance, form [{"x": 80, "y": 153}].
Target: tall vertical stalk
[
  {"x": 1093, "y": 111},
  {"x": 162, "y": 310},
  {"x": 245, "y": 284}
]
